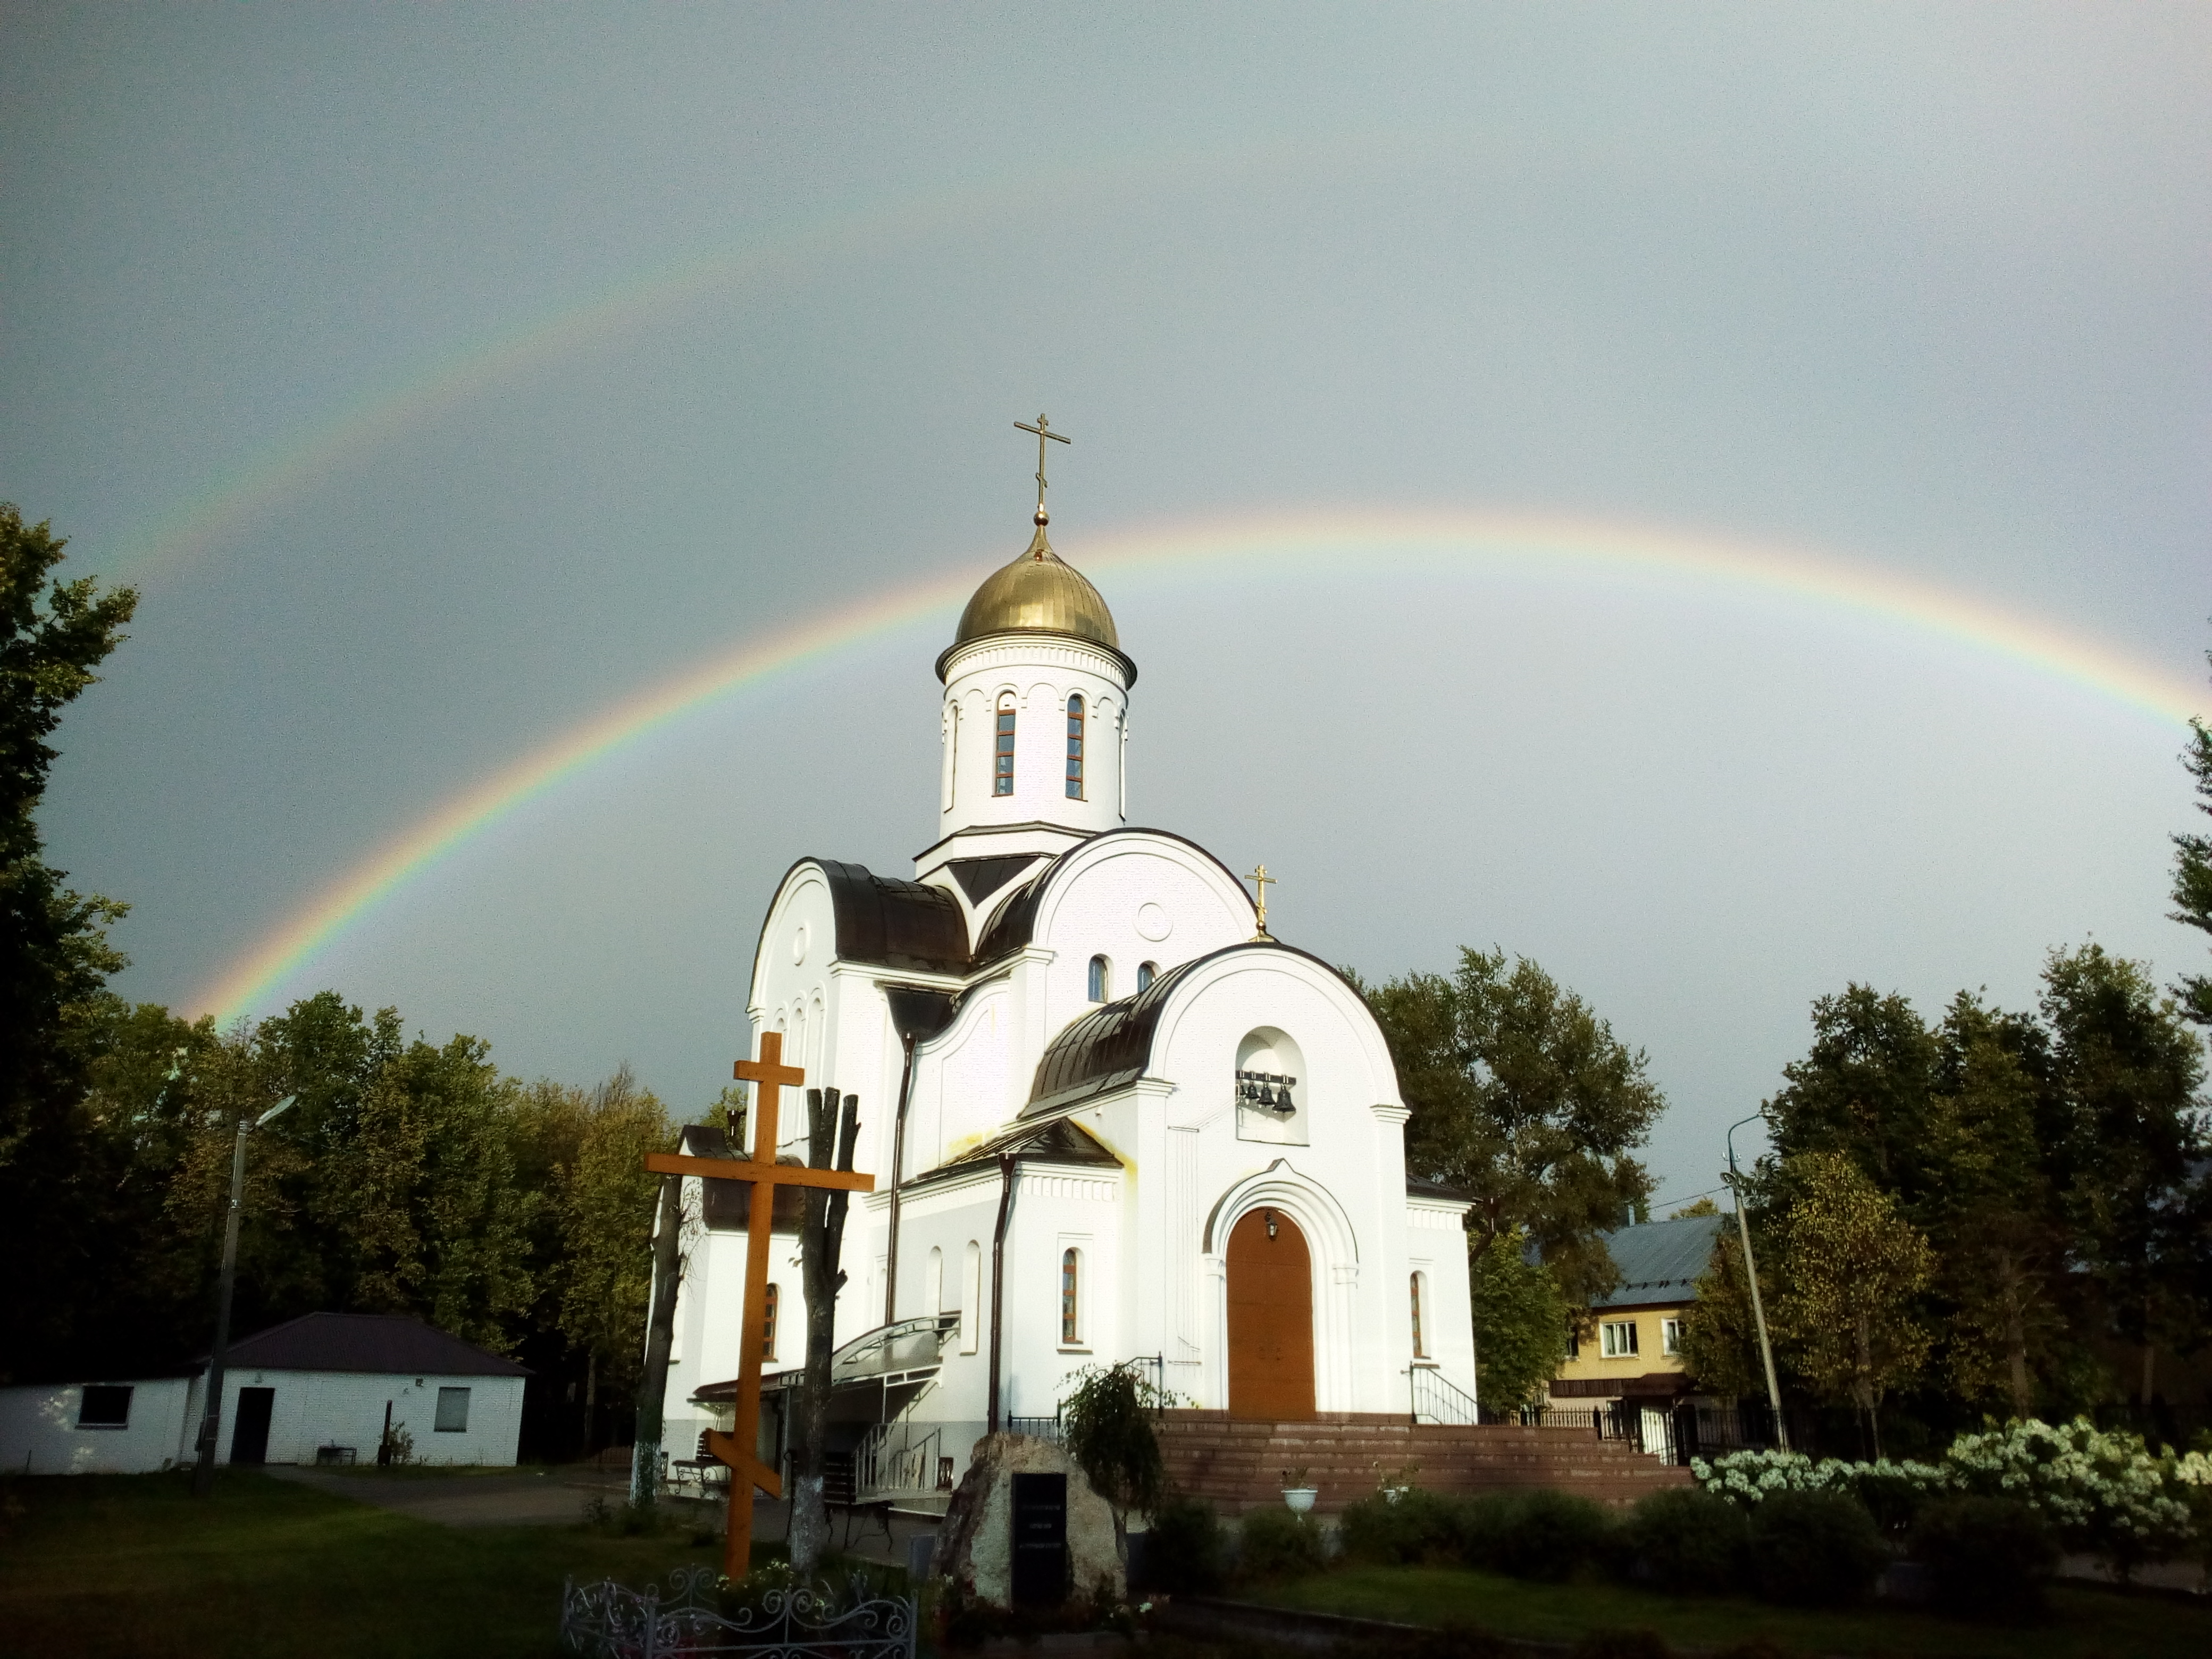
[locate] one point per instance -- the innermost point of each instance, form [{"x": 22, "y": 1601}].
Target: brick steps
[{"x": 1237, "y": 1464}]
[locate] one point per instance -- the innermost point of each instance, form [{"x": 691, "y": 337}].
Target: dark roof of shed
[
  {"x": 1661, "y": 1260},
  {"x": 727, "y": 1206},
  {"x": 379, "y": 1343}
]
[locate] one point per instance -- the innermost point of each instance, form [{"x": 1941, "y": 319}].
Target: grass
[
  {"x": 428, "y": 1471},
  {"x": 102, "y": 1566},
  {"x": 2085, "y": 1623}
]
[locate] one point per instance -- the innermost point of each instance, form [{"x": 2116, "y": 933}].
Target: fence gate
[{"x": 607, "y": 1620}]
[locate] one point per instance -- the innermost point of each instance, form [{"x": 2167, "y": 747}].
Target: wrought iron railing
[
  {"x": 607, "y": 1620},
  {"x": 1435, "y": 1398},
  {"x": 1037, "y": 1428},
  {"x": 898, "y": 1457}
]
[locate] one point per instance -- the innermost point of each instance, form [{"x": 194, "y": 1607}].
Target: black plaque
[{"x": 1040, "y": 1541}]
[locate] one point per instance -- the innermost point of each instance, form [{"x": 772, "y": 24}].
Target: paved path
[{"x": 554, "y": 1498}]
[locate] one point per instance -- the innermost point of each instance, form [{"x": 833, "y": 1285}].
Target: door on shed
[
  {"x": 249, "y": 1433},
  {"x": 1271, "y": 1356}
]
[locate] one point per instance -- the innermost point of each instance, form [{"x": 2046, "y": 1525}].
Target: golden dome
[{"x": 1039, "y": 592}]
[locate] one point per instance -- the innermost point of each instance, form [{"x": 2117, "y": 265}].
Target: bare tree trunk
[
  {"x": 659, "y": 1338},
  {"x": 591, "y": 1404},
  {"x": 2015, "y": 1334},
  {"x": 821, "y": 1242}
]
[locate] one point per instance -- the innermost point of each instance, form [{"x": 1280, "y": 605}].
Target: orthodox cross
[
  {"x": 739, "y": 1449},
  {"x": 1261, "y": 881},
  {"x": 1043, "y": 430}
]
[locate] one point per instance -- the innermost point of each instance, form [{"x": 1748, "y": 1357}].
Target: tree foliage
[
  {"x": 1520, "y": 1323},
  {"x": 1106, "y": 1424},
  {"x": 1520, "y": 1095},
  {"x": 2192, "y": 870}
]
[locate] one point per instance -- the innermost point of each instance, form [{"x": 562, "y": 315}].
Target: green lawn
[
  {"x": 102, "y": 1566},
  {"x": 2086, "y": 1624}
]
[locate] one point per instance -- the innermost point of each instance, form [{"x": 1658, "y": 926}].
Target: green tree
[
  {"x": 1521, "y": 1323},
  {"x": 1852, "y": 1272},
  {"x": 1521, "y": 1097},
  {"x": 55, "y": 958},
  {"x": 2129, "y": 1135},
  {"x": 2192, "y": 870},
  {"x": 1865, "y": 1090},
  {"x": 1106, "y": 1424},
  {"x": 1720, "y": 1336}
]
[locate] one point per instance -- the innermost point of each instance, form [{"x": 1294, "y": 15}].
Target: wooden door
[{"x": 1271, "y": 1359}]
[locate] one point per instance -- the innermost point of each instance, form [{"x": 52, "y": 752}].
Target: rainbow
[{"x": 1466, "y": 544}]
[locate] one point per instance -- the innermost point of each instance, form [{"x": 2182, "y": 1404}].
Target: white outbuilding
[{"x": 323, "y": 1388}]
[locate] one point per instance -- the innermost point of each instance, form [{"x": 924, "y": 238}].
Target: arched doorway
[{"x": 1271, "y": 1358}]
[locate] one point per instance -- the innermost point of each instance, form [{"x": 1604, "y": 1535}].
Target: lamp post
[
  {"x": 211, "y": 1417},
  {"x": 1751, "y": 1272}
]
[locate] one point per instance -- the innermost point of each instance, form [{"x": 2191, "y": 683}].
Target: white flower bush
[{"x": 2100, "y": 1490}]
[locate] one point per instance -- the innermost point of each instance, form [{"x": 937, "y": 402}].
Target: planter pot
[
  {"x": 1392, "y": 1494},
  {"x": 1300, "y": 1499}
]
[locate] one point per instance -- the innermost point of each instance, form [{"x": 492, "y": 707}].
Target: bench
[{"x": 327, "y": 1455}]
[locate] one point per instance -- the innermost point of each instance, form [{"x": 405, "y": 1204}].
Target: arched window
[
  {"x": 1146, "y": 973},
  {"x": 1075, "y": 748},
  {"x": 1002, "y": 758},
  {"x": 767, "y": 1324},
  {"x": 932, "y": 1282},
  {"x": 1071, "y": 1272},
  {"x": 971, "y": 1299},
  {"x": 1420, "y": 1341},
  {"x": 1098, "y": 979}
]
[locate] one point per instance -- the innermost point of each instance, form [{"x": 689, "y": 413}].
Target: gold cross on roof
[
  {"x": 1043, "y": 430},
  {"x": 1261, "y": 881}
]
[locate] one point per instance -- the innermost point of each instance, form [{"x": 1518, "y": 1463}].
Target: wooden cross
[
  {"x": 1043, "y": 430},
  {"x": 739, "y": 1449},
  {"x": 1261, "y": 881}
]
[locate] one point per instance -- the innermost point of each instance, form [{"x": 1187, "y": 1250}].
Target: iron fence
[
  {"x": 1037, "y": 1428},
  {"x": 607, "y": 1620}
]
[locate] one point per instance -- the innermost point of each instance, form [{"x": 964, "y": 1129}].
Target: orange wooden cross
[{"x": 739, "y": 1449}]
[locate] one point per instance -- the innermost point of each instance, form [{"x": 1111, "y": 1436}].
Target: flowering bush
[{"x": 2098, "y": 1490}]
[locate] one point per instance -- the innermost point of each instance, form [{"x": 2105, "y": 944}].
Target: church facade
[{"x": 1110, "y": 1117}]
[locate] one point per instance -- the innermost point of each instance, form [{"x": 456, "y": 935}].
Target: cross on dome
[{"x": 1043, "y": 430}]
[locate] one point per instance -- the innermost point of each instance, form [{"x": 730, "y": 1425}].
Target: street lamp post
[
  {"x": 1751, "y": 1273},
  {"x": 211, "y": 1417}
]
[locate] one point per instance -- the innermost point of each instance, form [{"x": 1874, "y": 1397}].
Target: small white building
[{"x": 322, "y": 1387}]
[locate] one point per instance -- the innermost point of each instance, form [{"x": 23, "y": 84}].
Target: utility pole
[
  {"x": 1751, "y": 1272},
  {"x": 211, "y": 1417}
]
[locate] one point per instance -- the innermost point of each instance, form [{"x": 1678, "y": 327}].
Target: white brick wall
[
  {"x": 39, "y": 1433},
  {"x": 346, "y": 1408}
]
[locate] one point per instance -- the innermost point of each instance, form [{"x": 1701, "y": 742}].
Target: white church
[{"x": 1109, "y": 1116}]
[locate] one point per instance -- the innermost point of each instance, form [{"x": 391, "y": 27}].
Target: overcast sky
[{"x": 445, "y": 376}]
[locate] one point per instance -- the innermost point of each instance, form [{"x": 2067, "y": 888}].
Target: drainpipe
[
  {"x": 898, "y": 1178},
  {"x": 999, "y": 1273}
]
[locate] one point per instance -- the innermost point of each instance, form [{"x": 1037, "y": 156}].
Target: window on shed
[
  {"x": 1618, "y": 1337},
  {"x": 105, "y": 1406},
  {"x": 1075, "y": 749},
  {"x": 1098, "y": 985},
  {"x": 1002, "y": 755},
  {"x": 1071, "y": 1269},
  {"x": 453, "y": 1411}
]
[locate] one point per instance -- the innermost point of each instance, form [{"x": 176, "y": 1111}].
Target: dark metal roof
[
  {"x": 896, "y": 924},
  {"x": 386, "y": 1344},
  {"x": 1013, "y": 922},
  {"x": 1418, "y": 1186},
  {"x": 1059, "y": 1141},
  {"x": 980, "y": 877},
  {"x": 1107, "y": 1049},
  {"x": 1661, "y": 1260},
  {"x": 727, "y": 1205}
]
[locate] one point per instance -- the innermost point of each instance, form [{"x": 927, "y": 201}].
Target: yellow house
[{"x": 1631, "y": 1347}]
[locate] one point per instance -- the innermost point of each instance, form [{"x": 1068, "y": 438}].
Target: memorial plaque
[{"x": 1040, "y": 1540}]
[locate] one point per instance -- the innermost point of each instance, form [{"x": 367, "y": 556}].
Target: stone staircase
[{"x": 1236, "y": 1463}]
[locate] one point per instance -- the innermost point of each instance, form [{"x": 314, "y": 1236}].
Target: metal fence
[
  {"x": 1037, "y": 1428},
  {"x": 607, "y": 1620},
  {"x": 1434, "y": 1398}
]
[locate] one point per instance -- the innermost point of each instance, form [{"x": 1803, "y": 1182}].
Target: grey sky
[{"x": 1920, "y": 289}]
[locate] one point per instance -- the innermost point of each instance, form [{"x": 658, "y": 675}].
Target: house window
[
  {"x": 768, "y": 1323},
  {"x": 1075, "y": 749},
  {"x": 971, "y": 1300},
  {"x": 1002, "y": 758},
  {"x": 1098, "y": 979},
  {"x": 1574, "y": 1343},
  {"x": 1620, "y": 1338},
  {"x": 1146, "y": 973},
  {"x": 105, "y": 1406},
  {"x": 1421, "y": 1342},
  {"x": 1670, "y": 1336},
  {"x": 1071, "y": 1270},
  {"x": 453, "y": 1411}
]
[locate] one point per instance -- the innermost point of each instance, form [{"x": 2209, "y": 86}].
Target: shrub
[
  {"x": 1274, "y": 1543},
  {"x": 1185, "y": 1549},
  {"x": 1623, "y": 1644},
  {"x": 1815, "y": 1549},
  {"x": 1485, "y": 1523},
  {"x": 1538, "y": 1533},
  {"x": 1991, "y": 1556},
  {"x": 1690, "y": 1542},
  {"x": 1420, "y": 1526}
]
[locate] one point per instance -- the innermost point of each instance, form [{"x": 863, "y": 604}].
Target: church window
[
  {"x": 1098, "y": 985},
  {"x": 1075, "y": 748},
  {"x": 971, "y": 1300},
  {"x": 932, "y": 1287},
  {"x": 1146, "y": 973},
  {"x": 1002, "y": 758},
  {"x": 768, "y": 1323},
  {"x": 1071, "y": 1270},
  {"x": 1420, "y": 1341},
  {"x": 453, "y": 1411}
]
